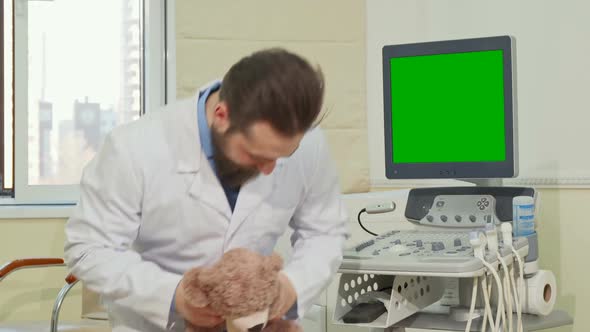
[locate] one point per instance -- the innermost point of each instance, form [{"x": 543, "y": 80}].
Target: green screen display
[{"x": 448, "y": 108}]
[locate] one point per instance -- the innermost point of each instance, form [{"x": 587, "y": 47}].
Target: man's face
[{"x": 242, "y": 155}]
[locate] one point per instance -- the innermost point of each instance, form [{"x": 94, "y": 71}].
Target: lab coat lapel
[
  {"x": 251, "y": 195},
  {"x": 191, "y": 161},
  {"x": 206, "y": 188}
]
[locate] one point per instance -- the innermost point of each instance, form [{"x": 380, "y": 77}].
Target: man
[{"x": 233, "y": 167}]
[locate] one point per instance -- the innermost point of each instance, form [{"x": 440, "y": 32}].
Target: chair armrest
[
  {"x": 27, "y": 263},
  {"x": 71, "y": 279}
]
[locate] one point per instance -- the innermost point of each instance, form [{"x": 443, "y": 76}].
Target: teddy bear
[{"x": 243, "y": 287}]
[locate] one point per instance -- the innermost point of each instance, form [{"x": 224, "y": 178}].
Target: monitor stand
[{"x": 497, "y": 182}]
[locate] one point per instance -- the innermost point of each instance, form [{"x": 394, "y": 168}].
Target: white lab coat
[{"x": 151, "y": 208}]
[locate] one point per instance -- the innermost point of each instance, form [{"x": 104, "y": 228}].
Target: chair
[{"x": 95, "y": 323}]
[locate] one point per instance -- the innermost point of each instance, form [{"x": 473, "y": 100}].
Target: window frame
[
  {"x": 4, "y": 191},
  {"x": 2, "y": 96},
  {"x": 158, "y": 77}
]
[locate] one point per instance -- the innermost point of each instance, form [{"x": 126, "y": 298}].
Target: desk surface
[{"x": 425, "y": 321}]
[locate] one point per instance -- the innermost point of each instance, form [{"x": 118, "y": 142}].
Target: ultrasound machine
[{"x": 450, "y": 113}]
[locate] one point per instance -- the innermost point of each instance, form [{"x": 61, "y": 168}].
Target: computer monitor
[{"x": 450, "y": 110}]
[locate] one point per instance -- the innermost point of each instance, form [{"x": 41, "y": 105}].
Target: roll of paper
[{"x": 541, "y": 291}]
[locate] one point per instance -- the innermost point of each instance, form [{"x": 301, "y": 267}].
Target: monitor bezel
[{"x": 455, "y": 170}]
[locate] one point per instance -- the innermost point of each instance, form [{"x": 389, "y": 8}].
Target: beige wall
[
  {"x": 563, "y": 237},
  {"x": 212, "y": 35}
]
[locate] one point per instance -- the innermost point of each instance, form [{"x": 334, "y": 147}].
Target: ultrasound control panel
[
  {"x": 465, "y": 211},
  {"x": 445, "y": 217},
  {"x": 420, "y": 251}
]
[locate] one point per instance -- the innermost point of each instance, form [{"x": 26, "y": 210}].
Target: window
[{"x": 81, "y": 67}]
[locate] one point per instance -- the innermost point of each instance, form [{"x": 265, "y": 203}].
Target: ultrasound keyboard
[{"x": 419, "y": 251}]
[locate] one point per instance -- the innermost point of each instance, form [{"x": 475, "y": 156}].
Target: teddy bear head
[{"x": 241, "y": 286}]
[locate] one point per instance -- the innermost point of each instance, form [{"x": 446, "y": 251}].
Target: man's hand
[
  {"x": 197, "y": 316},
  {"x": 286, "y": 298}
]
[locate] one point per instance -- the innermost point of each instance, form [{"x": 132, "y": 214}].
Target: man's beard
[{"x": 230, "y": 174}]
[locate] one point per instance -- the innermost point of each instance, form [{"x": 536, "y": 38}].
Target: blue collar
[{"x": 204, "y": 130}]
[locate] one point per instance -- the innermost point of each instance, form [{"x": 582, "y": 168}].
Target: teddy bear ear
[
  {"x": 193, "y": 288},
  {"x": 276, "y": 262},
  {"x": 197, "y": 298}
]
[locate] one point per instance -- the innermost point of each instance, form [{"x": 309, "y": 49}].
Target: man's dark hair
[{"x": 276, "y": 86}]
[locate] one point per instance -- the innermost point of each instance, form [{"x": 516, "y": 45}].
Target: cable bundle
[{"x": 509, "y": 293}]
